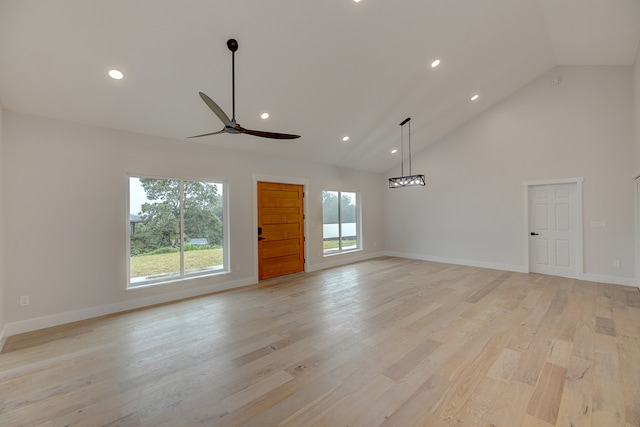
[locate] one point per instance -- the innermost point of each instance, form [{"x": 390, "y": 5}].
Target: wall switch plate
[
  {"x": 616, "y": 263},
  {"x": 24, "y": 300},
  {"x": 598, "y": 224}
]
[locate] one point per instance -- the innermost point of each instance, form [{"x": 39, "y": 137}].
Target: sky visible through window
[{"x": 137, "y": 195}]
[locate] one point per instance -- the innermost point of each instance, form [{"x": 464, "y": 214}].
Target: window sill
[
  {"x": 347, "y": 251},
  {"x": 170, "y": 280}
]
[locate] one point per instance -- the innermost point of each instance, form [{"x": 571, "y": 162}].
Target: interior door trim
[
  {"x": 281, "y": 180},
  {"x": 579, "y": 222}
]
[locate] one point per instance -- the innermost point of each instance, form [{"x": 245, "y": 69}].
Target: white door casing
[{"x": 554, "y": 220}]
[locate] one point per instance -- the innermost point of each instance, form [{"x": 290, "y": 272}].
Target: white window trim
[
  {"x": 358, "y": 225},
  {"x": 172, "y": 279}
]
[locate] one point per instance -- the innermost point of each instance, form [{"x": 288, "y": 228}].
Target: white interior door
[{"x": 552, "y": 229}]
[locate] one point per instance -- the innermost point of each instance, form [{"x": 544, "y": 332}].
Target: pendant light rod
[
  {"x": 404, "y": 122},
  {"x": 409, "y": 120},
  {"x": 402, "y": 149}
]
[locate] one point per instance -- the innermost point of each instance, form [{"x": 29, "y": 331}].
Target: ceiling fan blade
[
  {"x": 272, "y": 135},
  {"x": 217, "y": 110},
  {"x": 207, "y": 134}
]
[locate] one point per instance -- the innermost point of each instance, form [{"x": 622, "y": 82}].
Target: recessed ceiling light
[
  {"x": 475, "y": 97},
  {"x": 356, "y": 1},
  {"x": 345, "y": 138},
  {"x": 264, "y": 116},
  {"x": 394, "y": 151},
  {"x": 116, "y": 74},
  {"x": 435, "y": 63}
]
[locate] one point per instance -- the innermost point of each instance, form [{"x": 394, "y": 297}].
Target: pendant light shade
[{"x": 406, "y": 180}]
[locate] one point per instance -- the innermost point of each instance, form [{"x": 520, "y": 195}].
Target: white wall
[
  {"x": 636, "y": 115},
  {"x": 472, "y": 210},
  {"x": 66, "y": 218},
  {"x": 636, "y": 118},
  {"x": 2, "y": 283}
]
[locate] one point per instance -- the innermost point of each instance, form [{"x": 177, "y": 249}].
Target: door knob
[
  {"x": 534, "y": 234},
  {"x": 262, "y": 238}
]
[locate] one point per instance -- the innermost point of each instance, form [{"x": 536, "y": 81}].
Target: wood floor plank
[
  {"x": 504, "y": 366},
  {"x": 345, "y": 411},
  {"x": 580, "y": 375},
  {"x": 387, "y": 404},
  {"x": 605, "y": 326},
  {"x": 509, "y": 405},
  {"x": 419, "y": 405},
  {"x": 633, "y": 297},
  {"x": 630, "y": 367},
  {"x": 560, "y": 353},
  {"x": 545, "y": 402},
  {"x": 575, "y": 409},
  {"x": 583, "y": 342},
  {"x": 384, "y": 342},
  {"x": 475, "y": 409},
  {"x": 245, "y": 396}
]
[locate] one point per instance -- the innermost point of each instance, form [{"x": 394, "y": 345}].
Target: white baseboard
[
  {"x": 457, "y": 261},
  {"x": 342, "y": 259},
  {"x": 614, "y": 280},
  {"x": 88, "y": 313},
  {"x": 29, "y": 325},
  {"x": 3, "y": 336}
]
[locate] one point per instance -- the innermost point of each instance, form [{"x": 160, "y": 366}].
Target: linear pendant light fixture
[{"x": 408, "y": 180}]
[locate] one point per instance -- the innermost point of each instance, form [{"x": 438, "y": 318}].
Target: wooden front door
[{"x": 280, "y": 229}]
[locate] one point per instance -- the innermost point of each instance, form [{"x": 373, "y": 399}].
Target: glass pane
[
  {"x": 154, "y": 218},
  {"x": 330, "y": 218},
  {"x": 203, "y": 234},
  {"x": 349, "y": 223}
]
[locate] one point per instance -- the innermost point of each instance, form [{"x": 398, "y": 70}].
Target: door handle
[
  {"x": 262, "y": 238},
  {"x": 534, "y": 234}
]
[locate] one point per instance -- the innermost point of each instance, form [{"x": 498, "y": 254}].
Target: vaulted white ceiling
[{"x": 322, "y": 69}]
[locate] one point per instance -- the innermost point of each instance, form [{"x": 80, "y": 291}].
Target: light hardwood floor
[{"x": 386, "y": 342}]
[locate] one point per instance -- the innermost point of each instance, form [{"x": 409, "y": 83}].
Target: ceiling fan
[{"x": 231, "y": 126}]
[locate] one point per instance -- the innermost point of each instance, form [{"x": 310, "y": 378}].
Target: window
[
  {"x": 340, "y": 222},
  {"x": 176, "y": 230}
]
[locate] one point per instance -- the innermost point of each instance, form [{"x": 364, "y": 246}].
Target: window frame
[
  {"x": 358, "y": 215},
  {"x": 182, "y": 275}
]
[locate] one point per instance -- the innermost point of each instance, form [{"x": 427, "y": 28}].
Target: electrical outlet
[
  {"x": 616, "y": 263},
  {"x": 24, "y": 300},
  {"x": 238, "y": 266}
]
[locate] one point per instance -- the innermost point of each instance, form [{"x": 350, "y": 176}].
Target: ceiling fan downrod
[{"x": 232, "y": 44}]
